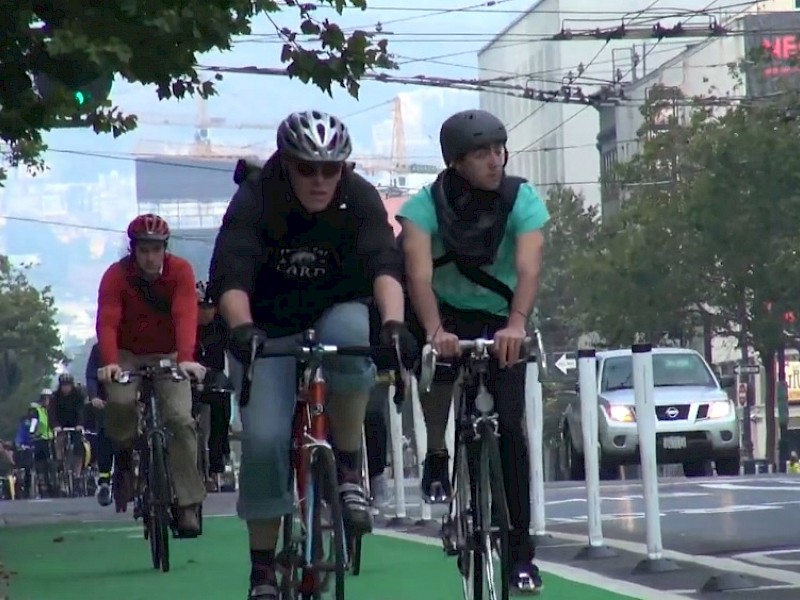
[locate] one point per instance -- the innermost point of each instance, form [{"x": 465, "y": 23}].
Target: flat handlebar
[
  {"x": 166, "y": 369},
  {"x": 476, "y": 349}
]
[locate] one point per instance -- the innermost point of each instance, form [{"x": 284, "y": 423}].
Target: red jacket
[{"x": 126, "y": 320}]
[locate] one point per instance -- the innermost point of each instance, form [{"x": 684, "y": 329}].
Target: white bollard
[
  {"x": 396, "y": 436},
  {"x": 644, "y": 393},
  {"x": 587, "y": 387},
  {"x": 421, "y": 442},
  {"x": 534, "y": 429}
]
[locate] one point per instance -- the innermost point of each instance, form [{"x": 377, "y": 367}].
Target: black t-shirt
[
  {"x": 211, "y": 342},
  {"x": 66, "y": 410},
  {"x": 294, "y": 265}
]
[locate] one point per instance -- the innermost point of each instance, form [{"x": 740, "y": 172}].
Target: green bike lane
[{"x": 70, "y": 561}]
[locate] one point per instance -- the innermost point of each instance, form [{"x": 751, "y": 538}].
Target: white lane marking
[
  {"x": 764, "y": 557},
  {"x": 566, "y": 572},
  {"x": 752, "y": 488},
  {"x": 712, "y": 562}
]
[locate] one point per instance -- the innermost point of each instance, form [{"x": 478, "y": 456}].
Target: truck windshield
[{"x": 669, "y": 370}]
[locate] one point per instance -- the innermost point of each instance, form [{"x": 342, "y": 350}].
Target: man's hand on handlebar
[
  {"x": 508, "y": 344},
  {"x": 395, "y": 332},
  {"x": 109, "y": 373},
  {"x": 242, "y": 340},
  {"x": 193, "y": 370},
  {"x": 444, "y": 343}
]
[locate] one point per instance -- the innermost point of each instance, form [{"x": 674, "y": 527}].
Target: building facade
[{"x": 553, "y": 143}]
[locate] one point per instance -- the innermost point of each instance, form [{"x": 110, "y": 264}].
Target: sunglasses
[{"x": 328, "y": 170}]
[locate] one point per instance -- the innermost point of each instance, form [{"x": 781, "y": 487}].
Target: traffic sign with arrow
[
  {"x": 746, "y": 369},
  {"x": 566, "y": 364}
]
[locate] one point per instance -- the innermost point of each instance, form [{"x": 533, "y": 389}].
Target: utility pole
[
  {"x": 747, "y": 424},
  {"x": 782, "y": 401}
]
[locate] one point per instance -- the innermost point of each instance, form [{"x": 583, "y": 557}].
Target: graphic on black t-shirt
[{"x": 303, "y": 263}]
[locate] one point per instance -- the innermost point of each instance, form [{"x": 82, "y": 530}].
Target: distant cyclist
[
  {"x": 43, "y": 451},
  {"x": 212, "y": 338},
  {"x": 147, "y": 312},
  {"x": 105, "y": 446},
  {"x": 473, "y": 248},
  {"x": 304, "y": 244},
  {"x": 66, "y": 411}
]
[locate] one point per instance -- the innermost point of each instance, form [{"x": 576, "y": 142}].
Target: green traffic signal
[{"x": 80, "y": 98}]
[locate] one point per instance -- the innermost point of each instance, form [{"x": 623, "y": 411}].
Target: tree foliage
[
  {"x": 29, "y": 343},
  {"x": 571, "y": 228},
  {"x": 707, "y": 227},
  {"x": 154, "y": 42}
]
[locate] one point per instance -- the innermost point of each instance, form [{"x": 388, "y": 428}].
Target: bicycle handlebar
[
  {"x": 308, "y": 348},
  {"x": 166, "y": 369},
  {"x": 478, "y": 349}
]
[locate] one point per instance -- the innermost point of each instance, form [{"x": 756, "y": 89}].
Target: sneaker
[
  {"x": 264, "y": 592},
  {"x": 524, "y": 578},
  {"x": 355, "y": 507},
  {"x": 436, "y": 477},
  {"x": 380, "y": 490},
  {"x": 104, "y": 494}
]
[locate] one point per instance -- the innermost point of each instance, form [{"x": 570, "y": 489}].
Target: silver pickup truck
[{"x": 696, "y": 421}]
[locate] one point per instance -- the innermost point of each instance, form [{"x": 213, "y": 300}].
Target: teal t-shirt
[{"x": 450, "y": 286}]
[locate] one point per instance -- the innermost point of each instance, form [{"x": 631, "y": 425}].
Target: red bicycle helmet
[{"x": 148, "y": 227}]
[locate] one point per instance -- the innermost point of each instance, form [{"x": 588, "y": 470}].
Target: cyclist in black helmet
[
  {"x": 488, "y": 225},
  {"x": 304, "y": 244}
]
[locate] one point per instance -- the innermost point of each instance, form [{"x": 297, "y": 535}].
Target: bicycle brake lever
[{"x": 253, "y": 352}]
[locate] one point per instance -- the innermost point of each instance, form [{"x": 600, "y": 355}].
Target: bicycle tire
[
  {"x": 160, "y": 508},
  {"x": 325, "y": 490},
  {"x": 491, "y": 498}
]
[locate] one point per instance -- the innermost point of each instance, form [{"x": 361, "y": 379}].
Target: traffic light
[{"x": 77, "y": 80}]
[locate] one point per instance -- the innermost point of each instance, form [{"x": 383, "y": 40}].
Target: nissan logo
[{"x": 672, "y": 412}]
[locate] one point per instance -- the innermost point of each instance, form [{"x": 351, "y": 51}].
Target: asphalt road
[{"x": 746, "y": 527}]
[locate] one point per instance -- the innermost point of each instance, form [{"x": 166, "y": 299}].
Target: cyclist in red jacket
[{"x": 146, "y": 312}]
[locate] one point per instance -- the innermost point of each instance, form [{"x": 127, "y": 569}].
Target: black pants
[
  {"x": 507, "y": 386},
  {"x": 218, "y": 438},
  {"x": 105, "y": 453},
  {"x": 377, "y": 431}
]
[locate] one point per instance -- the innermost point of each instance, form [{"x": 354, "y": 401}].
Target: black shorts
[{"x": 42, "y": 450}]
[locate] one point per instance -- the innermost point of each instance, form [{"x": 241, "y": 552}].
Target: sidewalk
[{"x": 76, "y": 562}]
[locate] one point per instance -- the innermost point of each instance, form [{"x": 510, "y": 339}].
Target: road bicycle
[
  {"x": 154, "y": 500},
  {"x": 69, "y": 485},
  {"x": 477, "y": 525},
  {"x": 315, "y": 546}
]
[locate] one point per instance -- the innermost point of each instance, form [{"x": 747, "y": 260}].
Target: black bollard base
[
  {"x": 399, "y": 522},
  {"x": 595, "y": 553},
  {"x": 727, "y": 582},
  {"x": 653, "y": 566}
]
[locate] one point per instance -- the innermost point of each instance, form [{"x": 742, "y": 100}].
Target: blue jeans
[{"x": 265, "y": 475}]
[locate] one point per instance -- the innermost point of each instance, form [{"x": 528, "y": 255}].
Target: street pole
[
  {"x": 747, "y": 425},
  {"x": 782, "y": 402}
]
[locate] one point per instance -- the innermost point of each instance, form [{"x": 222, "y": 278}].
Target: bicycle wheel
[
  {"x": 289, "y": 558},
  {"x": 326, "y": 541},
  {"x": 160, "y": 502},
  {"x": 490, "y": 520}
]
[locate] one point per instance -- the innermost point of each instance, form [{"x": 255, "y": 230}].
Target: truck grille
[{"x": 673, "y": 412}]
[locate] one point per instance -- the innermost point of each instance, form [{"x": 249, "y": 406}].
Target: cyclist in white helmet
[{"x": 305, "y": 243}]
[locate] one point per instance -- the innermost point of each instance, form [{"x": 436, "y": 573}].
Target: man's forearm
[
  {"x": 524, "y": 299},
  {"x": 234, "y": 306},
  {"x": 425, "y": 304},
  {"x": 389, "y": 297}
]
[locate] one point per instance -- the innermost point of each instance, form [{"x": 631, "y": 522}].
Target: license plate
[{"x": 674, "y": 442}]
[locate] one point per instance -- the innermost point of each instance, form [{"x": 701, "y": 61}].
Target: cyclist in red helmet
[{"x": 146, "y": 312}]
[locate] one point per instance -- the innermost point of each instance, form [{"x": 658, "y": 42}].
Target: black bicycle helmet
[
  {"x": 65, "y": 378},
  {"x": 469, "y": 130}
]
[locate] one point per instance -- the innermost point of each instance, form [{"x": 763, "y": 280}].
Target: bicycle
[
  {"x": 477, "y": 524},
  {"x": 314, "y": 542},
  {"x": 154, "y": 494},
  {"x": 68, "y": 483}
]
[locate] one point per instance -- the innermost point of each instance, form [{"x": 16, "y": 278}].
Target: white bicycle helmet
[
  {"x": 314, "y": 136},
  {"x": 46, "y": 392}
]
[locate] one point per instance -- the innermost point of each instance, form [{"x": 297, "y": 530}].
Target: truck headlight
[
  {"x": 620, "y": 413},
  {"x": 719, "y": 410}
]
